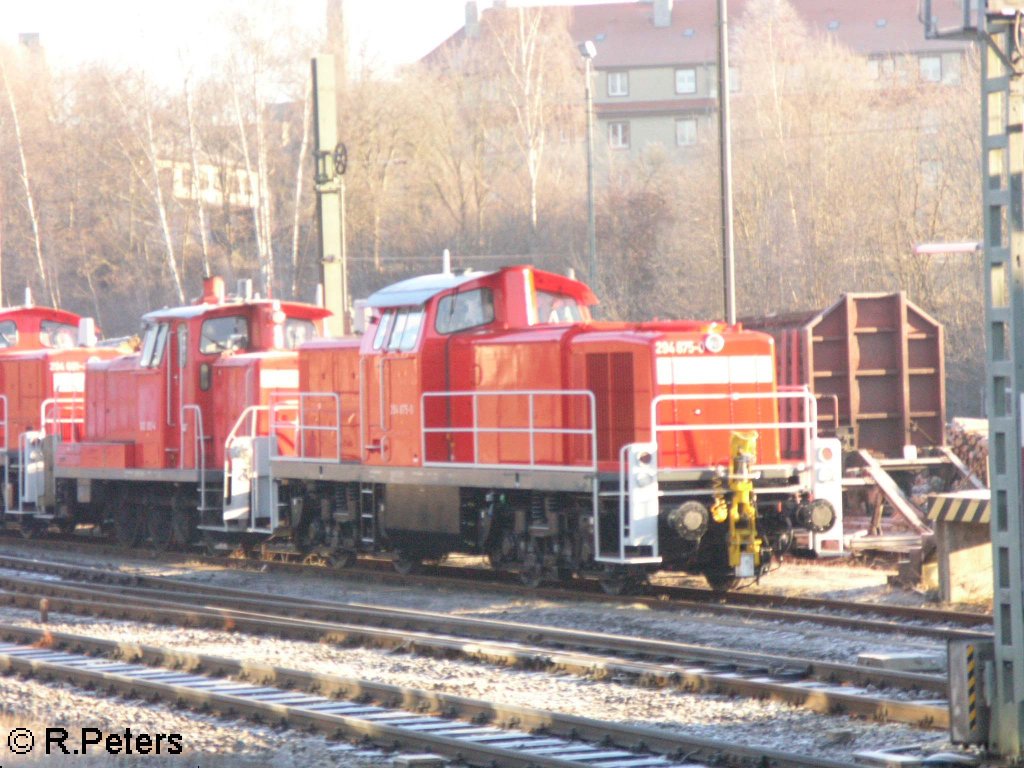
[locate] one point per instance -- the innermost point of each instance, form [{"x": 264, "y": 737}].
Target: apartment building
[{"x": 655, "y": 74}]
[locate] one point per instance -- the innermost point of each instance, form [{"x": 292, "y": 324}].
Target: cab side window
[
  {"x": 224, "y": 334},
  {"x": 460, "y": 311},
  {"x": 298, "y": 331},
  {"x": 8, "y": 334}
]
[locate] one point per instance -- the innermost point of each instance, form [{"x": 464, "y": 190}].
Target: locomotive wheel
[
  {"x": 183, "y": 527},
  {"x": 31, "y": 529},
  {"x": 531, "y": 572},
  {"x": 503, "y": 550},
  {"x": 618, "y": 580},
  {"x": 160, "y": 529},
  {"x": 310, "y": 535},
  {"x": 721, "y": 581},
  {"x": 404, "y": 563},
  {"x": 129, "y": 526},
  {"x": 341, "y": 558},
  {"x": 531, "y": 576},
  {"x": 209, "y": 543}
]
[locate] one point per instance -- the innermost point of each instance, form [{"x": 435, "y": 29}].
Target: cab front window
[
  {"x": 398, "y": 330},
  {"x": 553, "y": 308},
  {"x": 298, "y": 331},
  {"x": 153, "y": 345},
  {"x": 57, "y": 335}
]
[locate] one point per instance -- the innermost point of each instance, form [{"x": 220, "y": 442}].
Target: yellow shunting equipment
[{"x": 741, "y": 510}]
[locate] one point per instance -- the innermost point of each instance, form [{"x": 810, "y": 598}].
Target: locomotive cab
[
  {"x": 157, "y": 423},
  {"x": 43, "y": 355}
]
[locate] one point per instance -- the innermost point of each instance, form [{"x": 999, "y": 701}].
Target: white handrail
[
  {"x": 199, "y": 448},
  {"x": 3, "y": 421},
  {"x": 52, "y": 410},
  {"x": 198, "y": 440},
  {"x": 247, "y": 416},
  {"x": 282, "y": 401},
  {"x": 530, "y": 429},
  {"x": 807, "y": 425},
  {"x": 23, "y": 470}
]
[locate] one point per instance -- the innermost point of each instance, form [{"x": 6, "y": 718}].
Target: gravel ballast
[{"x": 741, "y": 721}]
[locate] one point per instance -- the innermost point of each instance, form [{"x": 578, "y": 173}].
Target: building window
[
  {"x": 883, "y": 68},
  {"x": 686, "y": 131},
  {"x": 618, "y": 135},
  {"x": 686, "y": 80},
  {"x": 930, "y": 68},
  {"x": 734, "y": 80},
  {"x": 618, "y": 83}
]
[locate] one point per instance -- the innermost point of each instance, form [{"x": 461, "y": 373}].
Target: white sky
[{"x": 149, "y": 33}]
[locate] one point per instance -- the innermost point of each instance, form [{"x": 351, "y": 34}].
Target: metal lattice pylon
[{"x": 1002, "y": 122}]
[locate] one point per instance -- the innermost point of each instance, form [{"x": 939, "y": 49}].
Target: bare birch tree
[
  {"x": 197, "y": 193},
  {"x": 300, "y": 165},
  {"x": 145, "y": 141},
  {"x": 26, "y": 182},
  {"x": 536, "y": 62}
]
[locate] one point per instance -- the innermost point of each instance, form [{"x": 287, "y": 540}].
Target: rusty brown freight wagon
[{"x": 874, "y": 362}]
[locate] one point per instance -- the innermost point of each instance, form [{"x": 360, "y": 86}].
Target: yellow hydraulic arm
[{"x": 740, "y": 511}]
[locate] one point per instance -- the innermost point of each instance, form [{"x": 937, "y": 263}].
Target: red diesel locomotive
[
  {"x": 43, "y": 356},
  {"x": 481, "y": 413}
]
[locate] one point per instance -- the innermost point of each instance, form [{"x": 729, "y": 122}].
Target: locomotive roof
[
  {"x": 45, "y": 313},
  {"x": 416, "y": 290},
  {"x": 196, "y": 310}
]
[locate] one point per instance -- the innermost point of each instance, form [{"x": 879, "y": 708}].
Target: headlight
[{"x": 714, "y": 342}]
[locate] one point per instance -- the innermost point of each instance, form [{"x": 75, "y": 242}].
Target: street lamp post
[
  {"x": 588, "y": 50},
  {"x": 725, "y": 163}
]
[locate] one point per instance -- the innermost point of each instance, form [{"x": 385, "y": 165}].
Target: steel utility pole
[
  {"x": 998, "y": 27},
  {"x": 725, "y": 162},
  {"x": 331, "y": 162},
  {"x": 588, "y": 50}
]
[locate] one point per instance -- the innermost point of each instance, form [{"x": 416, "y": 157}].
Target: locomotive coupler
[{"x": 743, "y": 542}]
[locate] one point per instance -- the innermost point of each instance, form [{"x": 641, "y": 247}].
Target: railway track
[
  {"x": 484, "y": 733},
  {"x": 930, "y": 623},
  {"x": 824, "y": 687}
]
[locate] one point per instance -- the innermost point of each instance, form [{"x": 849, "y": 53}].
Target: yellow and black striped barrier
[
  {"x": 968, "y": 698},
  {"x": 962, "y": 507},
  {"x": 972, "y": 689}
]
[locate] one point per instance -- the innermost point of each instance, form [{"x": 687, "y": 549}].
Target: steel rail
[
  {"x": 736, "y": 604},
  {"x": 168, "y": 592},
  {"x": 790, "y": 685},
  {"x": 187, "y": 678}
]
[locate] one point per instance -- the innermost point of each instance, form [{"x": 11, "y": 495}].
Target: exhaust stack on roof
[{"x": 663, "y": 13}]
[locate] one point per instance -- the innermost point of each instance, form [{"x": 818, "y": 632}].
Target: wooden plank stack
[{"x": 968, "y": 439}]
